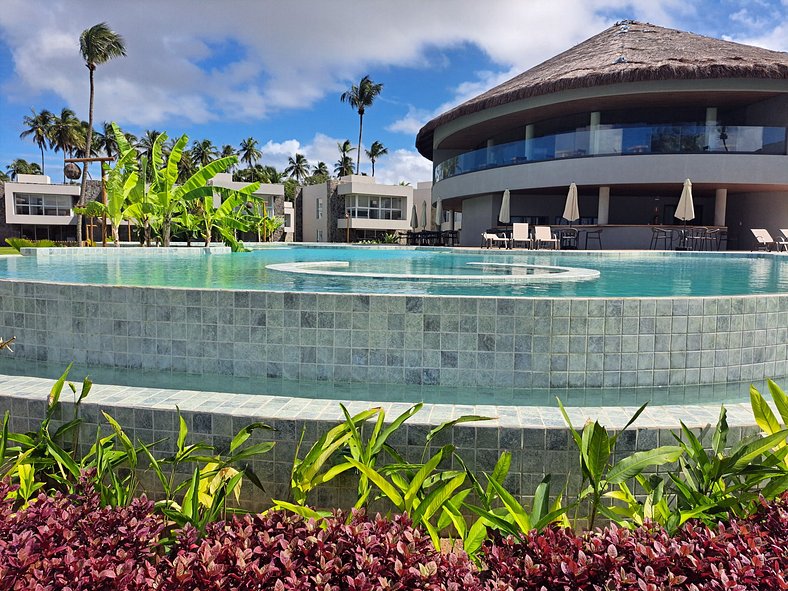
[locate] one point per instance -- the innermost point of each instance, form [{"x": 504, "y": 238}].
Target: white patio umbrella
[
  {"x": 503, "y": 215},
  {"x": 571, "y": 210},
  {"x": 424, "y": 219},
  {"x": 438, "y": 215},
  {"x": 414, "y": 219},
  {"x": 685, "y": 210}
]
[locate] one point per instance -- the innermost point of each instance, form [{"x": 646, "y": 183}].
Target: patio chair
[
  {"x": 763, "y": 240},
  {"x": 489, "y": 238},
  {"x": 544, "y": 235},
  {"x": 520, "y": 236}
]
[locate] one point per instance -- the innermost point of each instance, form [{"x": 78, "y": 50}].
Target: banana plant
[
  {"x": 121, "y": 181},
  {"x": 596, "y": 447}
]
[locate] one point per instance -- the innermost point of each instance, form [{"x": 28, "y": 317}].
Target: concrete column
[
  {"x": 529, "y": 145},
  {"x": 604, "y": 206},
  {"x": 711, "y": 124},
  {"x": 593, "y": 140},
  {"x": 451, "y": 220},
  {"x": 720, "y": 204}
]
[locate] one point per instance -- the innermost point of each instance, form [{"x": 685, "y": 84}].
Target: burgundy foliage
[
  {"x": 71, "y": 543},
  {"x": 742, "y": 555},
  {"x": 282, "y": 551}
]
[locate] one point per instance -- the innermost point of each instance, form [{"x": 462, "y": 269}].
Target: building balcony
[{"x": 620, "y": 141}]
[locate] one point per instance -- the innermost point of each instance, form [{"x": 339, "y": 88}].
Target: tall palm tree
[
  {"x": 360, "y": 97},
  {"x": 249, "y": 152},
  {"x": 98, "y": 45},
  {"x": 344, "y": 165},
  {"x": 297, "y": 167},
  {"x": 21, "y": 166},
  {"x": 65, "y": 133},
  {"x": 203, "y": 152},
  {"x": 376, "y": 150},
  {"x": 38, "y": 127}
]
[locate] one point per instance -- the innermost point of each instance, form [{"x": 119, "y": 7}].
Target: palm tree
[
  {"x": 109, "y": 143},
  {"x": 98, "y": 45},
  {"x": 38, "y": 126},
  {"x": 65, "y": 133},
  {"x": 271, "y": 175},
  {"x": 376, "y": 150},
  {"x": 360, "y": 97},
  {"x": 145, "y": 144},
  {"x": 321, "y": 169},
  {"x": 203, "y": 152},
  {"x": 4, "y": 178},
  {"x": 249, "y": 152},
  {"x": 344, "y": 165},
  {"x": 297, "y": 167},
  {"x": 21, "y": 166}
]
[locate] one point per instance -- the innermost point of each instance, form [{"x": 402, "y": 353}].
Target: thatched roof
[{"x": 628, "y": 51}]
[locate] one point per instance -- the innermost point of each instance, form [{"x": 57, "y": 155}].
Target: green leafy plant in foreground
[
  {"x": 214, "y": 479},
  {"x": 764, "y": 417},
  {"x": 711, "y": 484},
  {"x": 511, "y": 518},
  {"x": 596, "y": 448}
]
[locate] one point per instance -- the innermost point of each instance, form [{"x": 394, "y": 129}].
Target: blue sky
[{"x": 274, "y": 69}]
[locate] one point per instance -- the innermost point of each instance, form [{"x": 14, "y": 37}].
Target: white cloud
[{"x": 284, "y": 55}]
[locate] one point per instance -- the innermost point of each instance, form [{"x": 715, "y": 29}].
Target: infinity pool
[{"x": 422, "y": 272}]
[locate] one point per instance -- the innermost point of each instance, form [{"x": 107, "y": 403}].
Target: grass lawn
[{"x": 8, "y": 250}]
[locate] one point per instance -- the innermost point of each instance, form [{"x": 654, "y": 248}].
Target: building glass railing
[{"x": 614, "y": 141}]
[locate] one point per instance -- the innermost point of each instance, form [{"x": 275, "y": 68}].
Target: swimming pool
[
  {"x": 402, "y": 271},
  {"x": 247, "y": 320}
]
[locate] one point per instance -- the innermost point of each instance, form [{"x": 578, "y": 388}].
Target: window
[
  {"x": 374, "y": 208},
  {"x": 288, "y": 221},
  {"x": 319, "y": 209},
  {"x": 319, "y": 236},
  {"x": 36, "y": 204}
]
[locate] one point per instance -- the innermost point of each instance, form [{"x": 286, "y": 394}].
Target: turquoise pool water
[{"x": 456, "y": 272}]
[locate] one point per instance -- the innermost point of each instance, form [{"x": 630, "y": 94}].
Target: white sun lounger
[
  {"x": 544, "y": 235},
  {"x": 763, "y": 239}
]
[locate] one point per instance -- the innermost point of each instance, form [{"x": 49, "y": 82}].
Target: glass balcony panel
[{"x": 653, "y": 139}]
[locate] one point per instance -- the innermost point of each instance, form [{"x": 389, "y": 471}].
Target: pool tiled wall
[
  {"x": 536, "y": 436},
  {"x": 450, "y": 341}
]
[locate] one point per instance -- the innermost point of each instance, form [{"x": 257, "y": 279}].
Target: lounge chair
[
  {"x": 488, "y": 239},
  {"x": 544, "y": 235},
  {"x": 520, "y": 236},
  {"x": 763, "y": 239},
  {"x": 782, "y": 241}
]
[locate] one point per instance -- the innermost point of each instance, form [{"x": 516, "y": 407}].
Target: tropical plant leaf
[{"x": 635, "y": 464}]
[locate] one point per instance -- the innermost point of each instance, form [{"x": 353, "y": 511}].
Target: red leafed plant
[
  {"x": 281, "y": 551},
  {"x": 71, "y": 542},
  {"x": 743, "y": 555}
]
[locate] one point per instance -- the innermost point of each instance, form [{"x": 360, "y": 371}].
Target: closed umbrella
[
  {"x": 438, "y": 215},
  {"x": 571, "y": 210},
  {"x": 414, "y": 219},
  {"x": 503, "y": 215},
  {"x": 424, "y": 219},
  {"x": 685, "y": 210}
]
